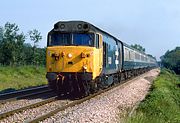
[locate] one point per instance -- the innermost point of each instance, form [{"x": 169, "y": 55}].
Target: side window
[
  {"x": 109, "y": 47},
  {"x": 100, "y": 41},
  {"x": 97, "y": 41},
  {"x": 141, "y": 57},
  {"x": 127, "y": 54},
  {"x": 131, "y": 55},
  {"x": 137, "y": 56}
]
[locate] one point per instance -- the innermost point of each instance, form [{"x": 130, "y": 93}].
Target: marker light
[
  {"x": 79, "y": 26},
  {"x": 63, "y": 54},
  {"x": 83, "y": 55},
  {"x": 85, "y": 67},
  {"x": 62, "y": 26}
]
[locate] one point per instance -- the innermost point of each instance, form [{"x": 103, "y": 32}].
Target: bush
[
  {"x": 171, "y": 60},
  {"x": 162, "y": 105}
]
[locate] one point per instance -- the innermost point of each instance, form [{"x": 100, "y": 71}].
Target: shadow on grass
[
  {"x": 178, "y": 85},
  {"x": 38, "y": 96},
  {"x": 8, "y": 90}
]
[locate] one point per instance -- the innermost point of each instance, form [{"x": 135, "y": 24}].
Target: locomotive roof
[
  {"x": 82, "y": 26},
  {"x": 74, "y": 25}
]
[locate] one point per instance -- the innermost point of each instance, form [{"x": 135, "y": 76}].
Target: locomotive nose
[{"x": 69, "y": 59}]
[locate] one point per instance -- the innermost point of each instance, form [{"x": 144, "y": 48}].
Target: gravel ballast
[
  {"x": 110, "y": 106},
  {"x": 29, "y": 114},
  {"x": 8, "y": 106}
]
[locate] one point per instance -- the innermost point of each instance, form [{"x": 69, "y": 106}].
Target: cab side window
[{"x": 97, "y": 41}]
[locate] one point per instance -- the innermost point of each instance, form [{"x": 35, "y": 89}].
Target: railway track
[
  {"x": 12, "y": 96},
  {"x": 76, "y": 102},
  {"x": 61, "y": 107},
  {"x": 34, "y": 105}
]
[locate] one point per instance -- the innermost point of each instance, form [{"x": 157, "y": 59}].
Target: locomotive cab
[{"x": 73, "y": 57}]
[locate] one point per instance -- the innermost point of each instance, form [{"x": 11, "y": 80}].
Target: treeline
[
  {"x": 171, "y": 60},
  {"x": 13, "y": 49},
  {"x": 141, "y": 49},
  {"x": 138, "y": 47}
]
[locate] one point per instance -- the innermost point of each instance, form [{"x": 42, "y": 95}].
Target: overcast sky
[{"x": 154, "y": 24}]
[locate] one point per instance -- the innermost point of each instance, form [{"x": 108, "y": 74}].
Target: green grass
[
  {"x": 13, "y": 78},
  {"x": 162, "y": 105}
]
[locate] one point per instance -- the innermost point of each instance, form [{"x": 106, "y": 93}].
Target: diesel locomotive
[{"x": 81, "y": 58}]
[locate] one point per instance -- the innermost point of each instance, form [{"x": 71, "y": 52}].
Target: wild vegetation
[
  {"x": 21, "y": 64},
  {"x": 138, "y": 47},
  {"x": 13, "y": 49},
  {"x": 171, "y": 60},
  {"x": 13, "y": 78},
  {"x": 162, "y": 104}
]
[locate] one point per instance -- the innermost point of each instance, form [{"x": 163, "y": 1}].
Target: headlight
[
  {"x": 69, "y": 55},
  {"x": 83, "y": 55}
]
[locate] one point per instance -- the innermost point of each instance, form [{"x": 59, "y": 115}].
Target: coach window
[
  {"x": 130, "y": 55},
  {"x": 126, "y": 54},
  {"x": 141, "y": 58},
  {"x": 97, "y": 41}
]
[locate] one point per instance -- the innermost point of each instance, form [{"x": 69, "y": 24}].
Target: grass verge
[
  {"x": 162, "y": 104},
  {"x": 14, "y": 78}
]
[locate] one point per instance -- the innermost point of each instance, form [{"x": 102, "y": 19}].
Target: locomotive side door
[
  {"x": 120, "y": 54},
  {"x": 101, "y": 51},
  {"x": 99, "y": 47}
]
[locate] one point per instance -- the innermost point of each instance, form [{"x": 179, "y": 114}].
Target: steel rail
[
  {"x": 37, "y": 104},
  {"x": 25, "y": 96},
  {"x": 23, "y": 93}
]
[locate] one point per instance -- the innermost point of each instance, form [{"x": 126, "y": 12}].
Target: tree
[
  {"x": 171, "y": 60},
  {"x": 41, "y": 56},
  {"x": 1, "y": 33},
  {"x": 138, "y": 47},
  {"x": 151, "y": 56},
  {"x": 19, "y": 44},
  {"x": 11, "y": 44},
  {"x": 35, "y": 36},
  {"x": 13, "y": 50},
  {"x": 1, "y": 39},
  {"x": 28, "y": 54}
]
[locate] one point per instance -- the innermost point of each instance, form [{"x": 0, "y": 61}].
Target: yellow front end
[{"x": 74, "y": 59}]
